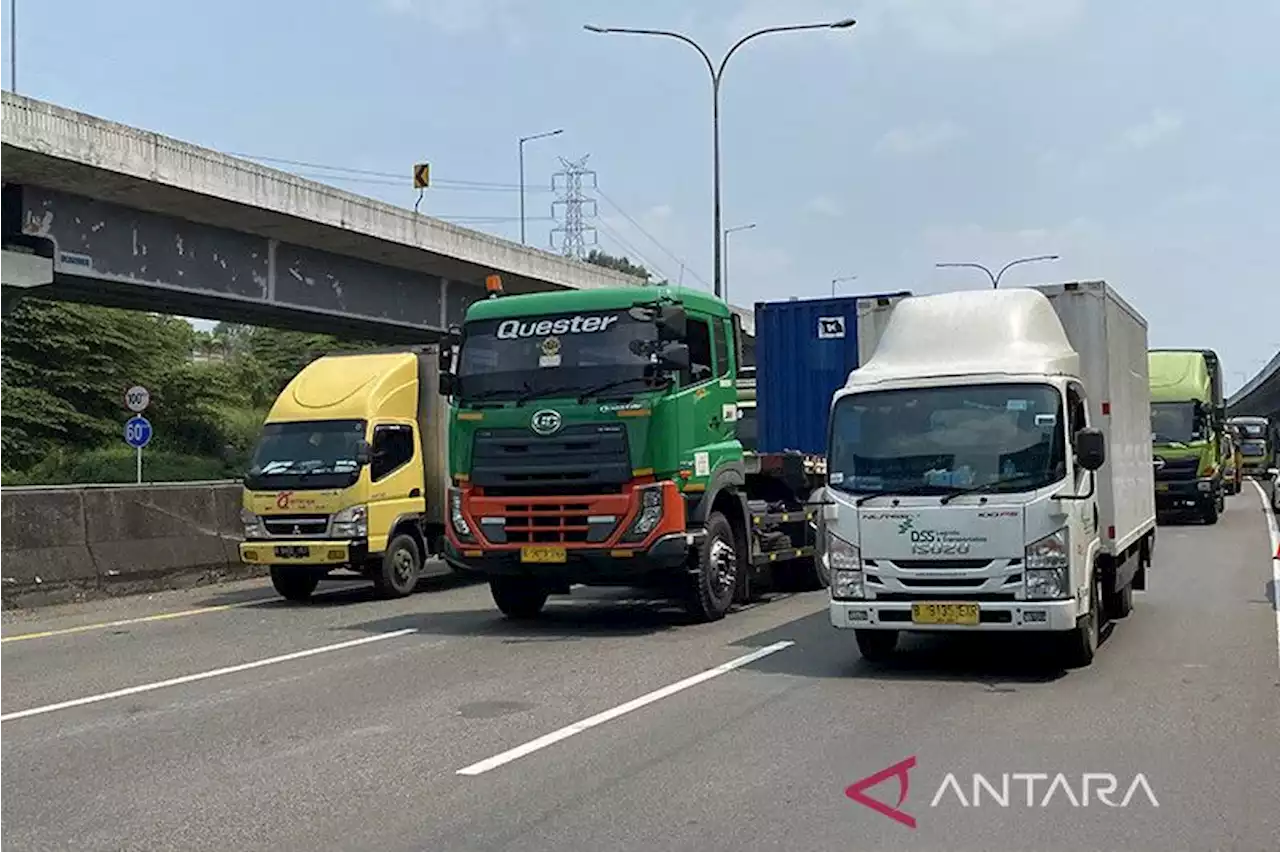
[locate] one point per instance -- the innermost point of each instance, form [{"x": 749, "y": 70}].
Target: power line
[
  {"x": 388, "y": 178},
  {"x": 684, "y": 265},
  {"x": 576, "y": 203},
  {"x": 632, "y": 252}
]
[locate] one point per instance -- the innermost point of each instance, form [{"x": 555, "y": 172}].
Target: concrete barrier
[{"x": 63, "y": 543}]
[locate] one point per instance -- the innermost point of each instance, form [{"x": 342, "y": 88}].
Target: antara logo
[{"x": 514, "y": 329}]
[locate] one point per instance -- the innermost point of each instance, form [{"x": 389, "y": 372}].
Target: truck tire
[
  {"x": 401, "y": 567},
  {"x": 715, "y": 578},
  {"x": 876, "y": 646},
  {"x": 294, "y": 584},
  {"x": 1210, "y": 513},
  {"x": 1119, "y": 604},
  {"x": 518, "y": 597},
  {"x": 1081, "y": 644}
]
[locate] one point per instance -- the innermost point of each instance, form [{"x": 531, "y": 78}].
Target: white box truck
[{"x": 990, "y": 468}]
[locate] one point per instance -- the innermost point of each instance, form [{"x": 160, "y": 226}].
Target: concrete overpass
[
  {"x": 100, "y": 212},
  {"x": 1260, "y": 397}
]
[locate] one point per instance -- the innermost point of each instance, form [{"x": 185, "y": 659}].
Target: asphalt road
[{"x": 217, "y": 743}]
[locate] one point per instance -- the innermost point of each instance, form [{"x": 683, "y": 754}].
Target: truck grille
[
  {"x": 580, "y": 459},
  {"x": 292, "y": 526},
  {"x": 1178, "y": 469},
  {"x": 545, "y": 523}
]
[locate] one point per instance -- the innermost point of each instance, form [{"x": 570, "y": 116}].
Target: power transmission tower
[{"x": 573, "y": 207}]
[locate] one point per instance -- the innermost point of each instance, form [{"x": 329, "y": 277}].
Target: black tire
[
  {"x": 294, "y": 584},
  {"x": 1119, "y": 604},
  {"x": 401, "y": 567},
  {"x": 718, "y": 561},
  {"x": 1081, "y": 644},
  {"x": 876, "y": 646},
  {"x": 518, "y": 597},
  {"x": 1210, "y": 511}
]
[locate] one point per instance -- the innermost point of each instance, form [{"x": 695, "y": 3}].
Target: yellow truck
[{"x": 350, "y": 474}]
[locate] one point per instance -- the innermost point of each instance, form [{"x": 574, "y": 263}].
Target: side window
[
  {"x": 722, "y": 348},
  {"x": 1076, "y": 417},
  {"x": 699, "y": 340},
  {"x": 392, "y": 450}
]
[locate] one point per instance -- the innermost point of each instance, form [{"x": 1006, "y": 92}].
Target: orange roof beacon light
[{"x": 493, "y": 284}]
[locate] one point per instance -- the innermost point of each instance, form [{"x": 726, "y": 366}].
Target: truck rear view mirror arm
[
  {"x": 1090, "y": 447},
  {"x": 1088, "y": 495}
]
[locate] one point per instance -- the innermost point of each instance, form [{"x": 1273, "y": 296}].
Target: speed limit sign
[{"x": 137, "y": 398}]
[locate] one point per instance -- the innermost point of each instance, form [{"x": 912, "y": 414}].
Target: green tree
[{"x": 621, "y": 264}]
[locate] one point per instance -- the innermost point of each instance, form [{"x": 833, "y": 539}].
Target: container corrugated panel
[{"x": 805, "y": 349}]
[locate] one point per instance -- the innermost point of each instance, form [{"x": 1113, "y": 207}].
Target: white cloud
[
  {"x": 465, "y": 17},
  {"x": 919, "y": 140},
  {"x": 825, "y": 206},
  {"x": 1158, "y": 126},
  {"x": 981, "y": 26}
]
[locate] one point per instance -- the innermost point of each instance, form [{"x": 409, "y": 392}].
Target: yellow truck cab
[{"x": 350, "y": 474}]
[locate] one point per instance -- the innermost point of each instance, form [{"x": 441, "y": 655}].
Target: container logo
[
  {"x": 830, "y": 328},
  {"x": 546, "y": 422}
]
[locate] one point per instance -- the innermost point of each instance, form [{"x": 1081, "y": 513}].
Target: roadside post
[{"x": 137, "y": 429}]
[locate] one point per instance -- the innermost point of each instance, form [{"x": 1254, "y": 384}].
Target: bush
[{"x": 119, "y": 465}]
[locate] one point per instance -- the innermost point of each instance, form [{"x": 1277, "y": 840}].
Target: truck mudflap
[
  {"x": 318, "y": 552},
  {"x": 956, "y": 615}
]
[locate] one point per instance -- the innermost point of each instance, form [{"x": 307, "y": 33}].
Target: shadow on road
[
  {"x": 996, "y": 662},
  {"x": 342, "y": 591}
]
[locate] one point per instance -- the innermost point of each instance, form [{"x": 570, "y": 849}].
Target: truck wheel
[
  {"x": 1211, "y": 511},
  {"x": 294, "y": 584},
  {"x": 518, "y": 597},
  {"x": 716, "y": 578},
  {"x": 876, "y": 646},
  {"x": 401, "y": 567},
  {"x": 1082, "y": 642},
  {"x": 1119, "y": 604}
]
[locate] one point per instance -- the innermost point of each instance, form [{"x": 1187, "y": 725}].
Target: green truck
[
  {"x": 1188, "y": 426},
  {"x": 594, "y": 440}
]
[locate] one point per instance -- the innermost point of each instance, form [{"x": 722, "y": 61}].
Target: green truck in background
[
  {"x": 1188, "y": 426},
  {"x": 594, "y": 440}
]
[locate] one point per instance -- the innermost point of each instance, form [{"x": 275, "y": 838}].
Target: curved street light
[
  {"x": 524, "y": 139},
  {"x": 717, "y": 72},
  {"x": 835, "y": 281},
  {"x": 727, "y": 232},
  {"x": 995, "y": 277}
]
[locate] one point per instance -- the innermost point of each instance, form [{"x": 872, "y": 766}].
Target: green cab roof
[
  {"x": 604, "y": 299},
  {"x": 1178, "y": 375}
]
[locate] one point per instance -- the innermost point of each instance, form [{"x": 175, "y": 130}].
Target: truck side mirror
[
  {"x": 672, "y": 323},
  {"x": 448, "y": 384},
  {"x": 674, "y": 359},
  {"x": 1090, "y": 446},
  {"x": 364, "y": 453}
]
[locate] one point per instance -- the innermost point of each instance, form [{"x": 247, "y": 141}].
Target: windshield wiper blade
[
  {"x": 913, "y": 491},
  {"x": 1004, "y": 480},
  {"x": 531, "y": 393},
  {"x": 604, "y": 386}
]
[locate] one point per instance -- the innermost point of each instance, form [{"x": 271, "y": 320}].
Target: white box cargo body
[{"x": 1111, "y": 339}]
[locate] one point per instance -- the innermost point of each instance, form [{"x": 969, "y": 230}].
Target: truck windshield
[
  {"x": 1253, "y": 448},
  {"x": 314, "y": 454},
  {"x": 940, "y": 440},
  {"x": 1176, "y": 422},
  {"x": 1252, "y": 430},
  {"x": 561, "y": 354}
]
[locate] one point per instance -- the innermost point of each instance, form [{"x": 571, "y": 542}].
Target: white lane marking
[
  {"x": 1275, "y": 560},
  {"x": 622, "y": 709},
  {"x": 191, "y": 678}
]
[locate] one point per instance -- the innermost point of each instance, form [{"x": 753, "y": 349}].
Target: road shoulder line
[{"x": 1274, "y": 531}]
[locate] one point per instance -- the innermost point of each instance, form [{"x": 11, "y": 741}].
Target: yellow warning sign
[{"x": 421, "y": 175}]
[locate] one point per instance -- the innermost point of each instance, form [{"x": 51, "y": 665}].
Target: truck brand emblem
[
  {"x": 297, "y": 530},
  {"x": 546, "y": 422},
  {"x": 551, "y": 346}
]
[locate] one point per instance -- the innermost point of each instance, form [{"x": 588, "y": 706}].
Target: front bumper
[
  {"x": 588, "y": 565},
  {"x": 314, "y": 552},
  {"x": 1024, "y": 616},
  {"x": 1186, "y": 494}
]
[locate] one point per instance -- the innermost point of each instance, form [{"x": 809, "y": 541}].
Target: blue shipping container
[{"x": 805, "y": 350}]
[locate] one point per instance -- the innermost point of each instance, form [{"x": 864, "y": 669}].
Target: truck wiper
[
  {"x": 601, "y": 388},
  {"x": 1004, "y": 480},
  {"x": 913, "y": 491},
  {"x": 531, "y": 393}
]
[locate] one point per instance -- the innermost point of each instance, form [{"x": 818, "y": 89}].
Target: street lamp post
[
  {"x": 835, "y": 281},
  {"x": 524, "y": 139},
  {"x": 727, "y": 232},
  {"x": 995, "y": 277},
  {"x": 717, "y": 73}
]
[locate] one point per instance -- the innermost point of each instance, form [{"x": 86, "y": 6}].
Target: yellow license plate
[
  {"x": 1162, "y": 486},
  {"x": 542, "y": 554},
  {"x": 944, "y": 613}
]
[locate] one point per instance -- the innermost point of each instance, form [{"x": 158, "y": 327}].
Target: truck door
[
  {"x": 396, "y": 485},
  {"x": 710, "y": 409}
]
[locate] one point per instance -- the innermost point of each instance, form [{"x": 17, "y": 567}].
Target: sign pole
[{"x": 139, "y": 465}]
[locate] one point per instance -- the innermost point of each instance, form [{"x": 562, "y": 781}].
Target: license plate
[
  {"x": 542, "y": 554},
  {"x": 1162, "y": 486},
  {"x": 944, "y": 613},
  {"x": 293, "y": 551}
]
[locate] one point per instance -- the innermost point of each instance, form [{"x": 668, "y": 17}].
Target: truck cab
[
  {"x": 347, "y": 475},
  {"x": 1257, "y": 440},
  {"x": 1188, "y": 422}
]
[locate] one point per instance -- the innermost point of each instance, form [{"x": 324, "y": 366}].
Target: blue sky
[{"x": 1137, "y": 140}]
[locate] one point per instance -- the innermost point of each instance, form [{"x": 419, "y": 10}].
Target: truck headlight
[
  {"x": 352, "y": 522},
  {"x": 650, "y": 514},
  {"x": 253, "y": 527},
  {"x": 844, "y": 562},
  {"x": 459, "y": 520},
  {"x": 1047, "y": 562}
]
